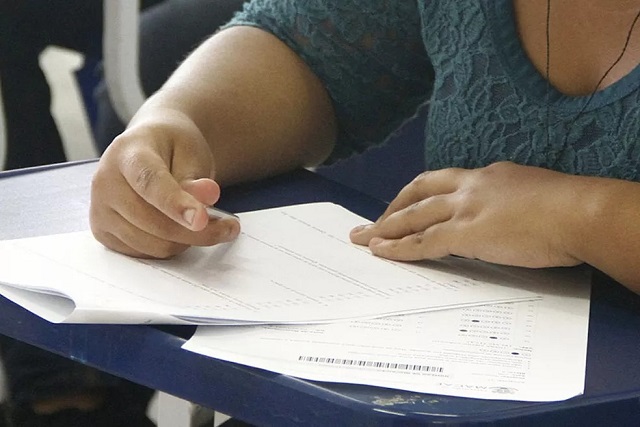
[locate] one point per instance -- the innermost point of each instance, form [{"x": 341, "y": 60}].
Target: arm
[
  {"x": 514, "y": 215},
  {"x": 257, "y": 104},
  {"x": 244, "y": 99},
  {"x": 607, "y": 228},
  {"x": 244, "y": 106}
]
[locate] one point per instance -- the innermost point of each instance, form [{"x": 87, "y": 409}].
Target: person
[
  {"x": 531, "y": 143},
  {"x": 49, "y": 390}
]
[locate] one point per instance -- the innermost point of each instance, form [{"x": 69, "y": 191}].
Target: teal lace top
[{"x": 380, "y": 60}]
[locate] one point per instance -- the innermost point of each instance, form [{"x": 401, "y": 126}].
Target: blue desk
[{"x": 50, "y": 200}]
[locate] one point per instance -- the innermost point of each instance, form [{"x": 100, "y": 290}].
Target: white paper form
[
  {"x": 532, "y": 351},
  {"x": 289, "y": 265}
]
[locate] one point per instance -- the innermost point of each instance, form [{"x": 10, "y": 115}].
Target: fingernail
[
  {"x": 360, "y": 228},
  {"x": 188, "y": 216},
  {"x": 232, "y": 232}
]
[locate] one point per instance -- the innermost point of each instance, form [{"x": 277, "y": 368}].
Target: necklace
[{"x": 557, "y": 155}]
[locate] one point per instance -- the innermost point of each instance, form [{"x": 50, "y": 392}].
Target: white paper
[
  {"x": 533, "y": 351},
  {"x": 289, "y": 265}
]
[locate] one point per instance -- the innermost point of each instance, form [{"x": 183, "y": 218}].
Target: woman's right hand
[{"x": 151, "y": 188}]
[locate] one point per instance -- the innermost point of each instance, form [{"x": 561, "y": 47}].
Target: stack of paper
[
  {"x": 532, "y": 350},
  {"x": 294, "y": 268}
]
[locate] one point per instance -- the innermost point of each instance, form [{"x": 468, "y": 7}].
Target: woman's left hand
[{"x": 504, "y": 213}]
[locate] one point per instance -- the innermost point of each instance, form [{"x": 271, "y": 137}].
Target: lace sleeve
[{"x": 368, "y": 53}]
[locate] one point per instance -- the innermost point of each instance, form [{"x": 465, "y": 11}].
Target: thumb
[
  {"x": 192, "y": 166},
  {"x": 148, "y": 175},
  {"x": 204, "y": 190}
]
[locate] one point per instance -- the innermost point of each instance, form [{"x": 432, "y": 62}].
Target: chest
[
  {"x": 585, "y": 38},
  {"x": 491, "y": 102}
]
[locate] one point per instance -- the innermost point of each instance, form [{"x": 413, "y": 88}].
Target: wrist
[{"x": 590, "y": 226}]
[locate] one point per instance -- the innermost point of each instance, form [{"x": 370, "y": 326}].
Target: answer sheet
[
  {"x": 532, "y": 351},
  {"x": 289, "y": 265}
]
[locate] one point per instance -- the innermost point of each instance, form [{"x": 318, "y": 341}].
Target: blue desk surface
[{"x": 51, "y": 200}]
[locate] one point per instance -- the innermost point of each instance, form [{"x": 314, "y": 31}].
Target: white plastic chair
[{"x": 120, "y": 50}]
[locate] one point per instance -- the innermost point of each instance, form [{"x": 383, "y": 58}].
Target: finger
[
  {"x": 115, "y": 244},
  {"x": 412, "y": 219},
  {"x": 148, "y": 175},
  {"x": 205, "y": 190},
  {"x": 152, "y": 247},
  {"x": 137, "y": 215},
  {"x": 136, "y": 242},
  {"x": 431, "y": 243},
  {"x": 425, "y": 185},
  {"x": 148, "y": 245}
]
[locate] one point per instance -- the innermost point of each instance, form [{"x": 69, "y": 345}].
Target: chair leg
[{"x": 176, "y": 412}]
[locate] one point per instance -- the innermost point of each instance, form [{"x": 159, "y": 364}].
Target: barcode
[{"x": 371, "y": 364}]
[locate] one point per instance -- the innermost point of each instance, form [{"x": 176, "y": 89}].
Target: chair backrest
[{"x": 120, "y": 50}]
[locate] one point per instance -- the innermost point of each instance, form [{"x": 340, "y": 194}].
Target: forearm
[
  {"x": 606, "y": 231},
  {"x": 259, "y": 107}
]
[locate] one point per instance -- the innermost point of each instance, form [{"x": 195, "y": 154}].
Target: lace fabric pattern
[
  {"x": 381, "y": 59},
  {"x": 368, "y": 53}
]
